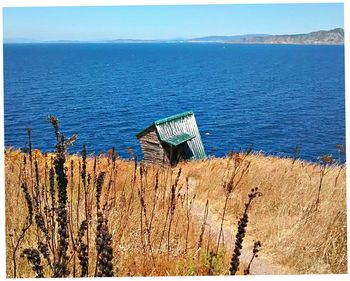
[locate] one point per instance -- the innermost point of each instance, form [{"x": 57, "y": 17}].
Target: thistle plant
[
  {"x": 296, "y": 154},
  {"x": 29, "y": 202},
  {"x": 256, "y": 249},
  {"x": 99, "y": 185},
  {"x": 104, "y": 266},
  {"x": 242, "y": 224},
  {"x": 39, "y": 220},
  {"x": 104, "y": 248},
  {"x": 60, "y": 268},
  {"x": 83, "y": 254},
  {"x": 28, "y": 223},
  {"x": 326, "y": 160},
  {"x": 44, "y": 250},
  {"x": 86, "y": 209},
  {"x": 52, "y": 210},
  {"x": 34, "y": 259}
]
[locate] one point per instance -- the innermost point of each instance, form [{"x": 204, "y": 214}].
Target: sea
[{"x": 273, "y": 98}]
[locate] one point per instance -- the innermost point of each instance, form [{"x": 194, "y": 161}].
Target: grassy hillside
[
  {"x": 150, "y": 218},
  {"x": 298, "y": 232}
]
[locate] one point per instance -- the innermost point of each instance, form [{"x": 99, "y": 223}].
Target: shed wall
[{"x": 152, "y": 149}]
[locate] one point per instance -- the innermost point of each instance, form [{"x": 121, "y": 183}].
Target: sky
[{"x": 167, "y": 22}]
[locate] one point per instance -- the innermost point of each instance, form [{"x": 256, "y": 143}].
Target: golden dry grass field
[{"x": 150, "y": 219}]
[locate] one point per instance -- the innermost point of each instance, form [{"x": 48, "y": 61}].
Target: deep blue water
[{"x": 271, "y": 96}]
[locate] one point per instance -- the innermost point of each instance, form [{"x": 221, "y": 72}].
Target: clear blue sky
[{"x": 165, "y": 22}]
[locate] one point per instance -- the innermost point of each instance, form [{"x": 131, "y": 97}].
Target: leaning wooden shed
[{"x": 172, "y": 139}]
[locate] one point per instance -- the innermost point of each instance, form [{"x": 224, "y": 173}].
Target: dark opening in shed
[{"x": 172, "y": 139}]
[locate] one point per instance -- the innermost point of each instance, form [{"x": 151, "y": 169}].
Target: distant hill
[
  {"x": 234, "y": 38},
  {"x": 334, "y": 36},
  {"x": 128, "y": 41},
  {"x": 19, "y": 40}
]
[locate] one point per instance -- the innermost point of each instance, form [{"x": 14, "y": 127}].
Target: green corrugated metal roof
[
  {"x": 164, "y": 120},
  {"x": 178, "y": 139},
  {"x": 173, "y": 117}
]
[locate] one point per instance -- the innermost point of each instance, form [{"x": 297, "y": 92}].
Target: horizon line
[{"x": 31, "y": 40}]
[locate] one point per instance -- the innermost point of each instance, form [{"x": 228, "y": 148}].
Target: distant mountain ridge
[
  {"x": 333, "y": 36},
  {"x": 329, "y": 37},
  {"x": 233, "y": 38}
]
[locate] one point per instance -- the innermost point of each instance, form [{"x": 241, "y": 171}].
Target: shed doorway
[{"x": 180, "y": 152}]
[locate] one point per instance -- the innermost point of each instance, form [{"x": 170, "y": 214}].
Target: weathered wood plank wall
[{"x": 153, "y": 152}]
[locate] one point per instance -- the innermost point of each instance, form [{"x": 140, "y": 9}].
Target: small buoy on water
[{"x": 207, "y": 133}]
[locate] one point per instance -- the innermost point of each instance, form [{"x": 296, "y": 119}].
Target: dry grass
[
  {"x": 149, "y": 239},
  {"x": 295, "y": 233}
]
